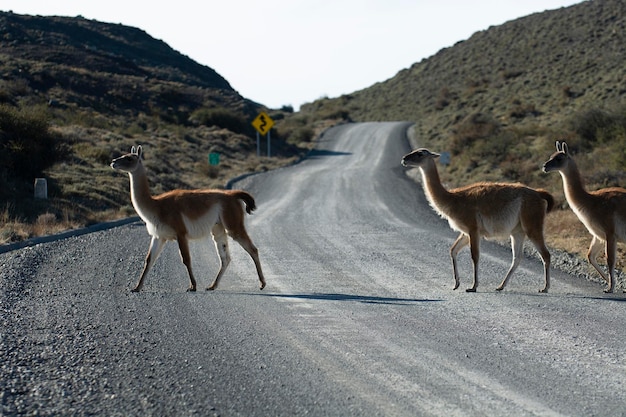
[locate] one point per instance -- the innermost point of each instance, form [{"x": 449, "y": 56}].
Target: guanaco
[
  {"x": 183, "y": 215},
  {"x": 486, "y": 209},
  {"x": 603, "y": 212}
]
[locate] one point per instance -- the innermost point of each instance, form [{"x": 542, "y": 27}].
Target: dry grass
[
  {"x": 15, "y": 229},
  {"x": 84, "y": 190},
  {"x": 564, "y": 231}
]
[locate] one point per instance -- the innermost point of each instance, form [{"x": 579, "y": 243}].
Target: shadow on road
[
  {"x": 318, "y": 153},
  {"x": 351, "y": 297},
  {"x": 608, "y": 297}
]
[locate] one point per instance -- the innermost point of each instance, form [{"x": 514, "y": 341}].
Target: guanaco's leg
[
  {"x": 611, "y": 250},
  {"x": 220, "y": 238},
  {"x": 234, "y": 224},
  {"x": 246, "y": 243},
  {"x": 595, "y": 248},
  {"x": 156, "y": 247},
  {"x": 460, "y": 242},
  {"x": 517, "y": 243},
  {"x": 540, "y": 245},
  {"x": 474, "y": 239},
  {"x": 183, "y": 246},
  {"x": 533, "y": 218}
]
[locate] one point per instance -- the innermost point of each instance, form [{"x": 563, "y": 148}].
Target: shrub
[
  {"x": 221, "y": 117},
  {"x": 586, "y": 124},
  {"x": 472, "y": 128},
  {"x": 599, "y": 126},
  {"x": 602, "y": 131},
  {"x": 27, "y": 146},
  {"x": 301, "y": 134},
  {"x": 98, "y": 155},
  {"x": 443, "y": 99}
]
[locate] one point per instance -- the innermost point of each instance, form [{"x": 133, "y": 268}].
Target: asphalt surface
[{"x": 358, "y": 317}]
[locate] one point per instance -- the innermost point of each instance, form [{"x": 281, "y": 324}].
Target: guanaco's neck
[
  {"x": 436, "y": 193},
  {"x": 573, "y": 185},
  {"x": 140, "y": 192}
]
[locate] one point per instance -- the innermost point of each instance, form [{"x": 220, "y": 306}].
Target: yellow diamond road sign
[{"x": 263, "y": 123}]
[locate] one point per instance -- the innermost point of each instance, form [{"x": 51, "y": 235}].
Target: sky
[{"x": 287, "y": 53}]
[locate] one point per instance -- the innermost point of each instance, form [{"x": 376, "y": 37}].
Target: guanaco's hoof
[
  {"x": 211, "y": 288},
  {"x": 499, "y": 288},
  {"x": 191, "y": 290},
  {"x": 470, "y": 290},
  {"x": 262, "y": 286}
]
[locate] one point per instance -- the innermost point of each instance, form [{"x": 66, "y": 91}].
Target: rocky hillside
[
  {"x": 74, "y": 93},
  {"x": 87, "y": 63},
  {"x": 513, "y": 89},
  {"x": 548, "y": 61},
  {"x": 532, "y": 67}
]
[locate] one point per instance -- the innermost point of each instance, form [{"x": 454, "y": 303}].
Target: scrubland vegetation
[{"x": 75, "y": 157}]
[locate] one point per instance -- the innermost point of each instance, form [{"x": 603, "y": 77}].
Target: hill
[
  {"x": 534, "y": 77},
  {"x": 75, "y": 93},
  {"x": 534, "y": 67}
]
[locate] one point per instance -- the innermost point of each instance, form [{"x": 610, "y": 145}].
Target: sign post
[
  {"x": 263, "y": 123},
  {"x": 214, "y": 159}
]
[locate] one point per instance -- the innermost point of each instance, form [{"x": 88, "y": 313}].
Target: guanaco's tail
[
  {"x": 548, "y": 197},
  {"x": 246, "y": 198}
]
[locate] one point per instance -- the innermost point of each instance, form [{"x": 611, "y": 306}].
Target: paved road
[{"x": 358, "y": 318}]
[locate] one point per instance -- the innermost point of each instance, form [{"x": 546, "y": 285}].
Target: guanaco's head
[
  {"x": 559, "y": 159},
  {"x": 418, "y": 157},
  {"x": 129, "y": 162}
]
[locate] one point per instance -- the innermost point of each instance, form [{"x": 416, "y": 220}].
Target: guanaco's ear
[
  {"x": 558, "y": 146},
  {"x": 564, "y": 148},
  {"x": 139, "y": 152},
  {"x": 133, "y": 150}
]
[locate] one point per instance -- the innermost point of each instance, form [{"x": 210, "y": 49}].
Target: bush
[
  {"x": 471, "y": 129},
  {"x": 221, "y": 117},
  {"x": 599, "y": 126},
  {"x": 301, "y": 134},
  {"x": 27, "y": 147},
  {"x": 602, "y": 132}
]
